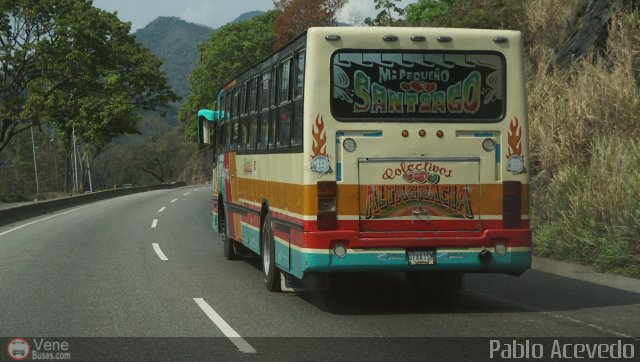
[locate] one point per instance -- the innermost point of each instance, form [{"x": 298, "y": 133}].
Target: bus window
[
  {"x": 253, "y": 94},
  {"x": 236, "y": 104},
  {"x": 296, "y": 140},
  {"x": 429, "y": 85},
  {"x": 242, "y": 122},
  {"x": 227, "y": 135},
  {"x": 299, "y": 76},
  {"x": 273, "y": 101},
  {"x": 243, "y": 100},
  {"x": 284, "y": 111},
  {"x": 234, "y": 122},
  {"x": 253, "y": 117},
  {"x": 234, "y": 135},
  {"x": 285, "y": 81},
  {"x": 264, "y": 111},
  {"x": 220, "y": 138},
  {"x": 227, "y": 106}
]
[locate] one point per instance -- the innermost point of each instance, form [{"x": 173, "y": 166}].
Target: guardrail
[{"x": 8, "y": 216}]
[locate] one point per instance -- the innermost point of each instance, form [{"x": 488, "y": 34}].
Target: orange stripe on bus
[{"x": 486, "y": 199}]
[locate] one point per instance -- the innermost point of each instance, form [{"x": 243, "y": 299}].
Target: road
[{"x": 94, "y": 271}]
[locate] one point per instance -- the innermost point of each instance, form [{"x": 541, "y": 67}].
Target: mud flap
[{"x": 309, "y": 283}]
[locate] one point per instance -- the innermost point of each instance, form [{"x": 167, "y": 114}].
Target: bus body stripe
[{"x": 301, "y": 199}]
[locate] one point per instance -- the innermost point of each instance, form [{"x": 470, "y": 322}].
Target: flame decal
[
  {"x": 514, "y": 140},
  {"x": 319, "y": 146}
]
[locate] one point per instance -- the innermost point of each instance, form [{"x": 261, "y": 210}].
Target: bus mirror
[
  {"x": 205, "y": 117},
  {"x": 204, "y": 131}
]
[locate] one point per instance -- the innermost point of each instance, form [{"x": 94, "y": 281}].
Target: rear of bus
[{"x": 419, "y": 137}]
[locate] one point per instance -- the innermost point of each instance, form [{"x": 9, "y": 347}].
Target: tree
[
  {"x": 230, "y": 50},
  {"x": 424, "y": 11},
  {"x": 70, "y": 64},
  {"x": 385, "y": 16},
  {"x": 481, "y": 14},
  {"x": 296, "y": 16}
]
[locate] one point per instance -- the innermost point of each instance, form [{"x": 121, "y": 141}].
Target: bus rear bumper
[
  {"x": 462, "y": 260},
  {"x": 496, "y": 251}
]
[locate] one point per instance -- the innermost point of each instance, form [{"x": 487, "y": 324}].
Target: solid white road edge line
[
  {"x": 229, "y": 332},
  {"x": 174, "y": 200},
  {"x": 161, "y": 255},
  {"x": 162, "y": 209},
  {"x": 154, "y": 223},
  {"x": 43, "y": 219}
]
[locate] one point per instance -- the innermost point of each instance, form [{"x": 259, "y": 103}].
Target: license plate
[{"x": 421, "y": 257}]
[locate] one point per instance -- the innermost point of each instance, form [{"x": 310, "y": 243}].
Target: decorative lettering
[{"x": 442, "y": 199}]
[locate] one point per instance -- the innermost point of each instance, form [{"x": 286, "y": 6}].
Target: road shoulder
[{"x": 585, "y": 273}]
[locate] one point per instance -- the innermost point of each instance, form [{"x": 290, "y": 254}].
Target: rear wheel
[
  {"x": 271, "y": 273},
  {"x": 448, "y": 281},
  {"x": 230, "y": 246}
]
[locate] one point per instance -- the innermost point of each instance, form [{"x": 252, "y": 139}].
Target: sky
[{"x": 214, "y": 13}]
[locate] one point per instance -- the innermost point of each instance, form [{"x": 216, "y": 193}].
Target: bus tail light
[
  {"x": 327, "y": 205},
  {"x": 511, "y": 204}
]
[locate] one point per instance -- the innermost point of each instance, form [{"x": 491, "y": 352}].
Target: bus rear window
[{"x": 451, "y": 86}]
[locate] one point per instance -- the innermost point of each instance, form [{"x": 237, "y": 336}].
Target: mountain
[
  {"x": 175, "y": 41},
  {"x": 247, "y": 16}
]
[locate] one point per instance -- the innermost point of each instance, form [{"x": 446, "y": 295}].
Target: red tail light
[
  {"x": 327, "y": 205},
  {"x": 511, "y": 204}
]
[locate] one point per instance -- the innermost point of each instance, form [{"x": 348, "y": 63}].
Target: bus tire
[
  {"x": 444, "y": 281},
  {"x": 230, "y": 246},
  {"x": 271, "y": 272}
]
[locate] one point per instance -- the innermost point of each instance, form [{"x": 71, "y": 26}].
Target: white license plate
[{"x": 421, "y": 257}]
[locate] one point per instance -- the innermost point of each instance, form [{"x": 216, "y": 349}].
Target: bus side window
[
  {"x": 242, "y": 121},
  {"x": 234, "y": 122},
  {"x": 253, "y": 117},
  {"x": 264, "y": 111},
  {"x": 298, "y": 102},
  {"x": 220, "y": 138},
  {"x": 227, "y": 135},
  {"x": 227, "y": 122},
  {"x": 273, "y": 101},
  {"x": 284, "y": 111},
  {"x": 227, "y": 106}
]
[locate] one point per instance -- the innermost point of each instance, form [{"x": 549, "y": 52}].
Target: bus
[{"x": 375, "y": 149}]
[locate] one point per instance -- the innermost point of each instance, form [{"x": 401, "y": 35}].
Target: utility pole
[
  {"x": 75, "y": 160},
  {"x": 35, "y": 162}
]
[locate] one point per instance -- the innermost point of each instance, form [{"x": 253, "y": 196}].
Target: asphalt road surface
[{"x": 149, "y": 265}]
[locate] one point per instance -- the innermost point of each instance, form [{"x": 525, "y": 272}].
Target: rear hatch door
[{"x": 419, "y": 194}]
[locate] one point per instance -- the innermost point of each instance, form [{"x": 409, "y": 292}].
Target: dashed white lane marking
[
  {"x": 174, "y": 200},
  {"x": 154, "y": 223},
  {"x": 559, "y": 316},
  {"x": 161, "y": 255},
  {"x": 186, "y": 194},
  {"x": 229, "y": 332},
  {"x": 196, "y": 189},
  {"x": 162, "y": 209}
]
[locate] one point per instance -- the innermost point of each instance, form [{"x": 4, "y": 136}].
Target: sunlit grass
[{"x": 585, "y": 152}]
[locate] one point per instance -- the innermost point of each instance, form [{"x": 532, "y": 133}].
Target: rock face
[{"x": 592, "y": 29}]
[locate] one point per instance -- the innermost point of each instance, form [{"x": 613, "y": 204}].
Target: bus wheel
[
  {"x": 271, "y": 273},
  {"x": 230, "y": 246},
  {"x": 447, "y": 281}
]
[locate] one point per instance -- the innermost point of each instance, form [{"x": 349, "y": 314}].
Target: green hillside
[{"x": 175, "y": 41}]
